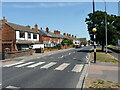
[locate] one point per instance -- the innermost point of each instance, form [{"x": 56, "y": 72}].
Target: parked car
[
  {"x": 77, "y": 46},
  {"x": 82, "y": 45}
]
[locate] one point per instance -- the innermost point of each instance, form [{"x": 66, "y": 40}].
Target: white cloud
[{"x": 40, "y": 4}]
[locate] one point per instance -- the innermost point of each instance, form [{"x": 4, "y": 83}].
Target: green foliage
[
  {"x": 67, "y": 42},
  {"x": 113, "y": 27}
]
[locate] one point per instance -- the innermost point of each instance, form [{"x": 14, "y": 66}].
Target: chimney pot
[
  {"x": 4, "y": 20},
  {"x": 47, "y": 30}
]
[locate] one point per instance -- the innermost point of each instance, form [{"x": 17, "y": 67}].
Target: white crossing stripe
[
  {"x": 62, "y": 66},
  {"x": 13, "y": 64},
  {"x": 24, "y": 64},
  {"x": 34, "y": 65},
  {"x": 77, "y": 68},
  {"x": 12, "y": 87},
  {"x": 48, "y": 65}
]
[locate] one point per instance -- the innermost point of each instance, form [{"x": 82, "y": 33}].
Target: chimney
[
  {"x": 56, "y": 32},
  {"x": 41, "y": 28},
  {"x": 64, "y": 34},
  {"x": 4, "y": 20},
  {"x": 47, "y": 30},
  {"x": 35, "y": 27},
  {"x": 28, "y": 26},
  {"x": 67, "y": 34}
]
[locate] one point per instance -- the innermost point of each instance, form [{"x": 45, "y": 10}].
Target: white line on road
[
  {"x": 34, "y": 65},
  {"x": 62, "y": 66},
  {"x": 12, "y": 87},
  {"x": 13, "y": 64},
  {"x": 0, "y": 84},
  {"x": 24, "y": 64},
  {"x": 48, "y": 65},
  {"x": 61, "y": 57},
  {"x": 77, "y": 68}
]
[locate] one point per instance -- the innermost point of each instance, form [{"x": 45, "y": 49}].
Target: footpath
[
  {"x": 103, "y": 74},
  {"x": 34, "y": 56}
]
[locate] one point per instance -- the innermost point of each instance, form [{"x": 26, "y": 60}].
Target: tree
[
  {"x": 113, "y": 25},
  {"x": 67, "y": 42}
]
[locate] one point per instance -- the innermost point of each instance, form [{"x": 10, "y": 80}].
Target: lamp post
[
  {"x": 94, "y": 30},
  {"x": 105, "y": 27}
]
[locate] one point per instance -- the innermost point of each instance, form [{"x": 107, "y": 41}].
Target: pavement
[
  {"x": 105, "y": 71},
  {"x": 57, "y": 69}
]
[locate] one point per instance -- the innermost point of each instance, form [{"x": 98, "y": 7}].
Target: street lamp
[{"x": 94, "y": 30}]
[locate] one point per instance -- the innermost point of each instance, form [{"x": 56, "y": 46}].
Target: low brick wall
[{"x": 18, "y": 54}]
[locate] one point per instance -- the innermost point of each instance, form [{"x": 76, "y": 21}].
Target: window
[
  {"x": 34, "y": 36},
  {"x": 22, "y": 34},
  {"x": 29, "y": 35}
]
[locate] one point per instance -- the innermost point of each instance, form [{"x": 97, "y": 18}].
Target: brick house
[
  {"x": 17, "y": 37},
  {"x": 51, "y": 39}
]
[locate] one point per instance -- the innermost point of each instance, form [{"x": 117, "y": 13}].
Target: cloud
[{"x": 38, "y": 5}]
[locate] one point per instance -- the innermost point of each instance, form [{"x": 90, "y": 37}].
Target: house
[
  {"x": 73, "y": 38},
  {"x": 17, "y": 37},
  {"x": 49, "y": 38}
]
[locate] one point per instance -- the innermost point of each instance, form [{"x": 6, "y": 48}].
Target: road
[{"x": 61, "y": 70}]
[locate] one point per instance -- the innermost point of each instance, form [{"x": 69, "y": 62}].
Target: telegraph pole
[{"x": 105, "y": 26}]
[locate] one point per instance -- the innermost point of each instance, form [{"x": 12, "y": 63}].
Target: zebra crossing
[{"x": 44, "y": 65}]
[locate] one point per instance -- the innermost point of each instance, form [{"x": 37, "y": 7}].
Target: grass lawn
[
  {"x": 103, "y": 57},
  {"x": 99, "y": 83}
]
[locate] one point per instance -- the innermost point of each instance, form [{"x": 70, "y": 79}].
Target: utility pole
[
  {"x": 105, "y": 27},
  {"x": 94, "y": 30}
]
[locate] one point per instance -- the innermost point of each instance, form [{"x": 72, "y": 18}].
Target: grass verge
[
  {"x": 99, "y": 83},
  {"x": 103, "y": 57}
]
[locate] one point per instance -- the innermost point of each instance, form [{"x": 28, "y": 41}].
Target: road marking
[
  {"x": 38, "y": 57},
  {"x": 0, "y": 84},
  {"x": 61, "y": 57},
  {"x": 69, "y": 53},
  {"x": 62, "y": 66},
  {"x": 34, "y": 65},
  {"x": 13, "y": 64},
  {"x": 12, "y": 87},
  {"x": 24, "y": 64},
  {"x": 48, "y": 65},
  {"x": 77, "y": 68},
  {"x": 74, "y": 58}
]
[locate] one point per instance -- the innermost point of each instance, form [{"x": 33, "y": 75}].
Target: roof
[
  {"x": 18, "y": 27},
  {"x": 0, "y": 24},
  {"x": 50, "y": 34}
]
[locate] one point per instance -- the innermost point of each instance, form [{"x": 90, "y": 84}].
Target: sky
[{"x": 67, "y": 17}]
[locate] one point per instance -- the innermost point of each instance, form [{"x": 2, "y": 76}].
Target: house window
[
  {"x": 34, "y": 36},
  {"x": 29, "y": 35},
  {"x": 22, "y": 34}
]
